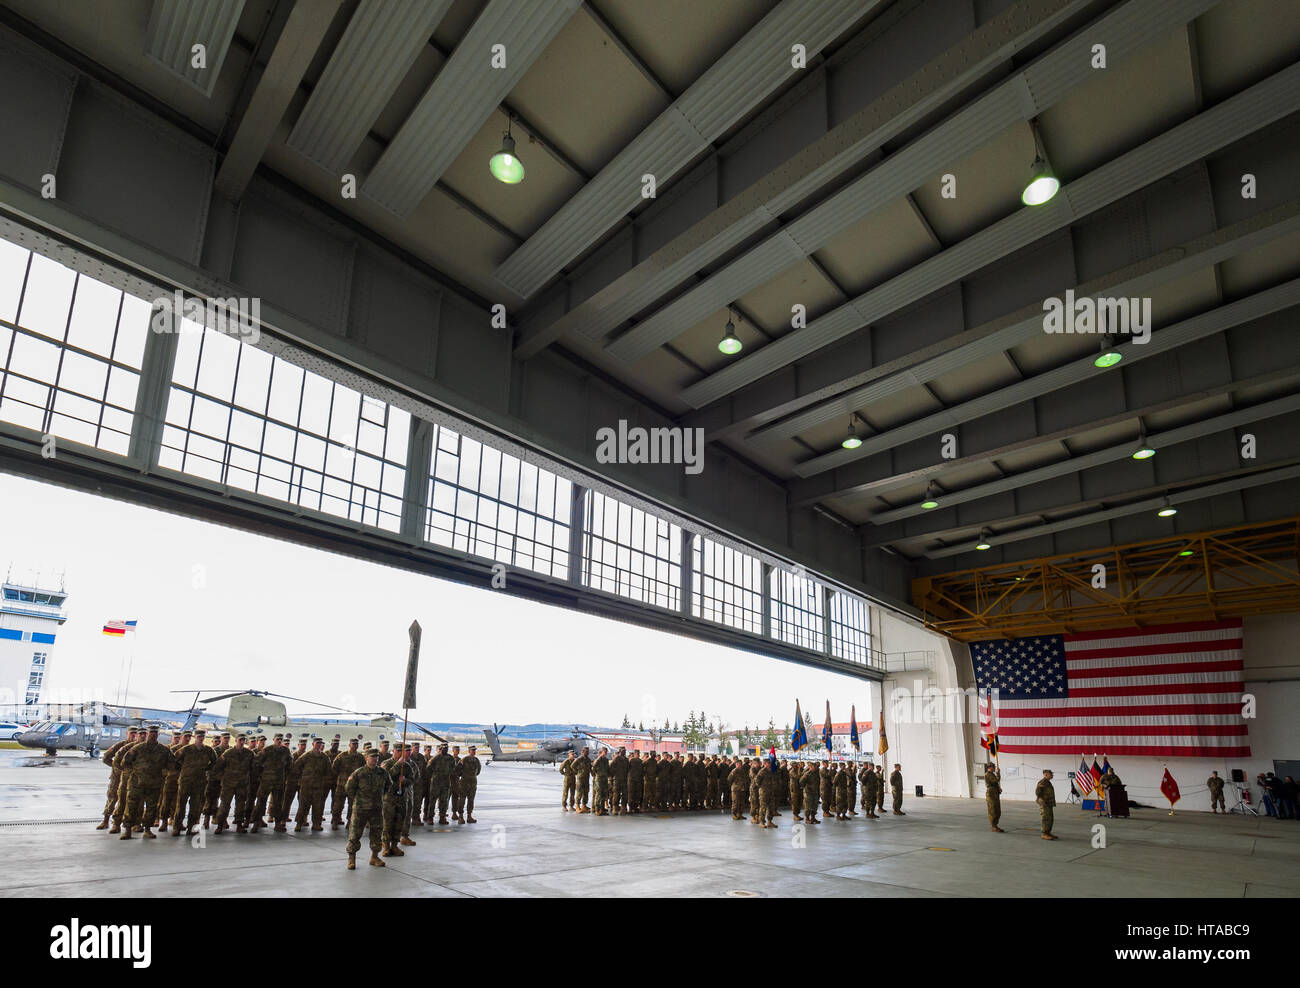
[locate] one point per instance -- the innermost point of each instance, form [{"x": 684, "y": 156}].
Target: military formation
[
  {"x": 248, "y": 787},
  {"x": 747, "y": 788}
]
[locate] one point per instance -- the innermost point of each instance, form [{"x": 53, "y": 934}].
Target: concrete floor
[{"x": 524, "y": 846}]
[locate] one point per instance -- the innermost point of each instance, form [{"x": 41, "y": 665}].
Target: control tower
[{"x": 30, "y": 617}]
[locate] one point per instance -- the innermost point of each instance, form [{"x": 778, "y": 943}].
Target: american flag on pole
[{"x": 1172, "y": 690}]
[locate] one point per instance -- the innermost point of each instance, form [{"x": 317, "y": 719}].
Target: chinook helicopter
[{"x": 254, "y": 713}]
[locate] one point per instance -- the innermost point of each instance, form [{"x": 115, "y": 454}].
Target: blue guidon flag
[
  {"x": 853, "y": 728},
  {"x": 827, "y": 731},
  {"x": 799, "y": 737},
  {"x": 771, "y": 758}
]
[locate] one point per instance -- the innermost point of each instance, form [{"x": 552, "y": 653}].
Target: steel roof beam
[
  {"x": 1229, "y": 121},
  {"x": 177, "y": 26}
]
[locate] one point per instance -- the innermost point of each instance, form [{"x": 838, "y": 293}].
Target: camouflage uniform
[
  {"x": 149, "y": 763},
  {"x": 582, "y": 778},
  {"x": 170, "y": 780},
  {"x": 796, "y": 790},
  {"x": 767, "y": 786},
  {"x": 566, "y": 794},
  {"x": 828, "y": 788},
  {"x": 1045, "y": 796},
  {"x": 755, "y": 796},
  {"x": 896, "y": 784},
  {"x": 738, "y": 781},
  {"x": 870, "y": 791},
  {"x": 993, "y": 797},
  {"x": 273, "y": 766},
  {"x": 291, "y": 778},
  {"x": 811, "y": 780},
  {"x": 254, "y": 783},
  {"x": 395, "y": 813},
  {"x": 345, "y": 763},
  {"x": 880, "y": 789},
  {"x": 212, "y": 792},
  {"x": 635, "y": 783},
  {"x": 114, "y": 777},
  {"x": 420, "y": 793},
  {"x": 711, "y": 785},
  {"x": 367, "y": 789},
  {"x": 853, "y": 791},
  {"x": 414, "y": 787},
  {"x": 1215, "y": 785},
  {"x": 675, "y": 797},
  {"x": 440, "y": 771},
  {"x": 331, "y": 776},
  {"x": 618, "y": 775},
  {"x": 600, "y": 791},
  {"x": 842, "y": 793},
  {"x": 235, "y": 768},
  {"x": 457, "y": 797},
  {"x": 650, "y": 782},
  {"x": 193, "y": 762},
  {"x": 470, "y": 767},
  {"x": 313, "y": 779}
]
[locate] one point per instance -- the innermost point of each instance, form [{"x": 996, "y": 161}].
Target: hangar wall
[{"x": 1272, "y": 676}]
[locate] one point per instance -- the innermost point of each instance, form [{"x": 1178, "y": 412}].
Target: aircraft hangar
[{"x": 774, "y": 323}]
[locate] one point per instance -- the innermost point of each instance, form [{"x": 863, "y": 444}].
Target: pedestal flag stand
[{"x": 1170, "y": 789}]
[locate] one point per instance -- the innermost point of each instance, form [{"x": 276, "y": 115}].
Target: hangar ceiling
[{"x": 826, "y": 189}]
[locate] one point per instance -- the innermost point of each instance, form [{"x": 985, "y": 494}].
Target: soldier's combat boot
[
  {"x": 1050, "y": 837},
  {"x": 280, "y": 828},
  {"x": 997, "y": 830},
  {"x": 406, "y": 842},
  {"x": 374, "y": 860},
  {"x": 798, "y": 816},
  {"x": 117, "y": 829},
  {"x": 103, "y": 824},
  {"x": 442, "y": 821},
  {"x": 149, "y": 833},
  {"x": 241, "y": 829},
  {"x": 316, "y": 827},
  {"x": 257, "y": 825},
  {"x": 352, "y": 861},
  {"x": 126, "y": 834},
  {"x": 297, "y": 829},
  {"x": 221, "y": 829},
  {"x": 471, "y": 819},
  {"x": 176, "y": 831}
]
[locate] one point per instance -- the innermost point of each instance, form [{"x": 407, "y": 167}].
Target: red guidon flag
[{"x": 1170, "y": 788}]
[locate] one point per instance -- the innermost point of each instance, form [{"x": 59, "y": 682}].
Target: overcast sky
[{"x": 221, "y": 609}]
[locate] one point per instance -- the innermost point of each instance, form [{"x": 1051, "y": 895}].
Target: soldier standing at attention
[
  {"x": 880, "y": 789},
  {"x": 842, "y": 792},
  {"x": 430, "y": 797},
  {"x": 457, "y": 798},
  {"x": 115, "y": 776},
  {"x": 395, "y": 802},
  {"x": 168, "y": 801},
  {"x": 419, "y": 793},
  {"x": 853, "y": 790},
  {"x": 828, "y": 788},
  {"x": 470, "y": 767},
  {"x": 993, "y": 797},
  {"x": 783, "y": 785},
  {"x": 149, "y": 763},
  {"x": 331, "y": 777},
  {"x": 440, "y": 770},
  {"x": 290, "y": 784},
  {"x": 896, "y": 784},
  {"x": 634, "y": 781},
  {"x": 345, "y": 763},
  {"x": 869, "y": 784},
  {"x": 566, "y": 794},
  {"x": 366, "y": 787},
  {"x": 1045, "y": 796},
  {"x": 414, "y": 789},
  {"x": 600, "y": 772},
  {"x": 273, "y": 764},
  {"x": 1213, "y": 783},
  {"x": 236, "y": 767},
  {"x": 650, "y": 782},
  {"x": 738, "y": 781},
  {"x": 254, "y": 782},
  {"x": 582, "y": 779},
  {"x": 213, "y": 793},
  {"x": 810, "y": 777},
  {"x": 755, "y": 792},
  {"x": 711, "y": 783},
  {"x": 618, "y": 770},
  {"x": 724, "y": 787},
  {"x": 313, "y": 780},
  {"x": 796, "y": 790},
  {"x": 193, "y": 761}
]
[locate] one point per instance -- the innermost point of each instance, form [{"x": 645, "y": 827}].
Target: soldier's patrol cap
[
  {"x": 338, "y": 737},
  {"x": 473, "y": 747},
  {"x": 317, "y": 740},
  {"x": 372, "y": 753},
  {"x": 241, "y": 737},
  {"x": 200, "y": 733},
  {"x": 279, "y": 737},
  {"x": 443, "y": 746}
]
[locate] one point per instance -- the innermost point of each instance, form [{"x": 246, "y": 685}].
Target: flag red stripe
[
  {"x": 1172, "y": 751},
  {"x": 1152, "y": 730},
  {"x": 1172, "y": 689},
  {"x": 1156, "y": 629},
  {"x": 1147, "y": 709},
  {"x": 1156, "y": 648}
]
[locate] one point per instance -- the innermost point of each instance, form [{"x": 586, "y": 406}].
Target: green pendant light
[
  {"x": 504, "y": 165},
  {"x": 1042, "y": 184},
  {"x": 730, "y": 342}
]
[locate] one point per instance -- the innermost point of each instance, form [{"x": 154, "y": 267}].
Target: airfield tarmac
[{"x": 524, "y": 846}]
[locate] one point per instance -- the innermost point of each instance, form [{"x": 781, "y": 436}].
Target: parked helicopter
[
  {"x": 547, "y": 752},
  {"x": 92, "y": 727},
  {"x": 254, "y": 714}
]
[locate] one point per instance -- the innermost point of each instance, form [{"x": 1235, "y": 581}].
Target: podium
[{"x": 1118, "y": 797}]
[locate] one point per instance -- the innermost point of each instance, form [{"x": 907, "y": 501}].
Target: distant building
[
  {"x": 29, "y": 618},
  {"x": 641, "y": 740}
]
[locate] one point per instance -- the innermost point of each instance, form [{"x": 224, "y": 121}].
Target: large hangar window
[
  {"x": 727, "y": 585},
  {"x": 631, "y": 553},
  {"x": 850, "y": 628},
  {"x": 241, "y": 417},
  {"x": 491, "y": 504},
  {"x": 70, "y": 351},
  {"x": 797, "y": 610}
]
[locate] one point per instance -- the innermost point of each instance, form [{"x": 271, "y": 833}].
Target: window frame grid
[
  {"x": 466, "y": 534},
  {"x": 792, "y": 621},
  {"x": 849, "y": 641},
  {"x": 602, "y": 567},
  {"x": 708, "y": 578}
]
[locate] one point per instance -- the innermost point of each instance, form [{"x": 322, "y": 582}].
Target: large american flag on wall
[{"x": 1173, "y": 690}]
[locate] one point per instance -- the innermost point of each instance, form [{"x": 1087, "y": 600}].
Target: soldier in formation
[
  {"x": 896, "y": 786},
  {"x": 993, "y": 797},
  {"x": 1045, "y": 796}
]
